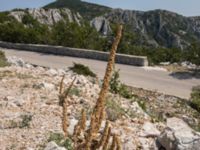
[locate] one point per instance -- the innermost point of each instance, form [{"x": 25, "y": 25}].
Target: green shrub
[
  {"x": 82, "y": 70},
  {"x": 114, "y": 110},
  {"x": 3, "y": 60},
  {"x": 59, "y": 139},
  {"x": 74, "y": 91},
  {"x": 26, "y": 119},
  {"x": 117, "y": 87},
  {"x": 195, "y": 98}
]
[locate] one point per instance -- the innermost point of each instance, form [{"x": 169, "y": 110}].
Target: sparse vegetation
[
  {"x": 82, "y": 70},
  {"x": 117, "y": 87},
  {"x": 74, "y": 91},
  {"x": 114, "y": 110},
  {"x": 26, "y": 119},
  {"x": 3, "y": 60},
  {"x": 60, "y": 140},
  {"x": 195, "y": 98},
  {"x": 87, "y": 142}
]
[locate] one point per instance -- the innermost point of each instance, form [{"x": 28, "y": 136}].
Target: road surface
[{"x": 155, "y": 80}]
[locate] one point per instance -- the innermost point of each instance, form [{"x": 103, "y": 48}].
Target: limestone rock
[
  {"x": 179, "y": 136},
  {"x": 49, "y": 16},
  {"x": 149, "y": 130},
  {"x": 53, "y": 146},
  {"x": 101, "y": 24}
]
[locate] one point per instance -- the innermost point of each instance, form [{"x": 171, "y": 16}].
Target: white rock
[
  {"x": 47, "y": 86},
  {"x": 53, "y": 146},
  {"x": 179, "y": 136},
  {"x": 16, "y": 61},
  {"x": 52, "y": 72},
  {"x": 149, "y": 130},
  {"x": 70, "y": 129}
]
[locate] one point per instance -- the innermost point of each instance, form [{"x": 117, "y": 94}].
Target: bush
[
  {"x": 60, "y": 140},
  {"x": 193, "y": 53},
  {"x": 195, "y": 98},
  {"x": 3, "y": 60},
  {"x": 114, "y": 110},
  {"x": 82, "y": 70},
  {"x": 117, "y": 87}
]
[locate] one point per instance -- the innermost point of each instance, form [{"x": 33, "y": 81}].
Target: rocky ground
[{"x": 30, "y": 111}]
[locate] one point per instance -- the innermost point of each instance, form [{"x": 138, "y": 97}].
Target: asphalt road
[{"x": 155, "y": 80}]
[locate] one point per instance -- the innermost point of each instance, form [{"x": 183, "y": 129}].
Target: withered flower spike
[
  {"x": 98, "y": 111},
  {"x": 107, "y": 139}
]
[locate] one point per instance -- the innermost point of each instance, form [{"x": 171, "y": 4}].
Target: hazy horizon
[{"x": 183, "y": 7}]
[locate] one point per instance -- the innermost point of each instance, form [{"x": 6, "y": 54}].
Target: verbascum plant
[
  {"x": 63, "y": 102},
  {"x": 105, "y": 146},
  {"x": 113, "y": 145},
  {"x": 104, "y": 136},
  {"x": 80, "y": 127},
  {"x": 98, "y": 112},
  {"x": 118, "y": 143}
]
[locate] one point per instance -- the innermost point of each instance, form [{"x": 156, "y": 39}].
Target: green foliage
[
  {"x": 88, "y": 10},
  {"x": 142, "y": 104},
  {"x": 117, "y": 87},
  {"x": 195, "y": 98},
  {"x": 73, "y": 35},
  {"x": 60, "y": 140},
  {"x": 4, "y": 17},
  {"x": 26, "y": 119},
  {"x": 165, "y": 55},
  {"x": 193, "y": 53},
  {"x": 3, "y": 60},
  {"x": 82, "y": 70},
  {"x": 114, "y": 110},
  {"x": 75, "y": 91}
]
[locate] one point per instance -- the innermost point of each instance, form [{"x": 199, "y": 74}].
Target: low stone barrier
[{"x": 77, "y": 52}]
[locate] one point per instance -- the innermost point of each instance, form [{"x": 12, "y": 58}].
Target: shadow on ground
[{"x": 184, "y": 75}]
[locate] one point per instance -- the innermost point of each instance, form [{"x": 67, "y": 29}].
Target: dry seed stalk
[
  {"x": 63, "y": 98},
  {"x": 118, "y": 142},
  {"x": 98, "y": 112},
  {"x": 107, "y": 139},
  {"x": 113, "y": 143},
  {"x": 61, "y": 85},
  {"x": 81, "y": 125},
  {"x": 104, "y": 136}
]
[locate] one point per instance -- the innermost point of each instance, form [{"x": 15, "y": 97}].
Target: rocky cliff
[
  {"x": 157, "y": 28},
  {"x": 47, "y": 16},
  {"x": 31, "y": 115}
]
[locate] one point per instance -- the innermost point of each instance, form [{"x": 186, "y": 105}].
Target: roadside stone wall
[{"x": 77, "y": 52}]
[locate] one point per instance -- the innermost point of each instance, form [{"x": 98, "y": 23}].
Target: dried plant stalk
[
  {"x": 118, "y": 143},
  {"x": 113, "y": 145},
  {"x": 104, "y": 136},
  {"x": 107, "y": 139},
  {"x": 81, "y": 125},
  {"x": 98, "y": 112},
  {"x": 63, "y": 99},
  {"x": 61, "y": 85}
]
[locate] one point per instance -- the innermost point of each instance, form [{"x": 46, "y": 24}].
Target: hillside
[
  {"x": 30, "y": 111},
  {"x": 161, "y": 35},
  {"x": 157, "y": 28},
  {"x": 87, "y": 10}
]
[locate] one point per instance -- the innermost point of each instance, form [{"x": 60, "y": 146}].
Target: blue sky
[{"x": 185, "y": 7}]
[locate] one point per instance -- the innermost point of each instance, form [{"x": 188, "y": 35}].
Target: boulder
[
  {"x": 16, "y": 61},
  {"x": 53, "y": 146},
  {"x": 179, "y": 136},
  {"x": 102, "y": 25},
  {"x": 149, "y": 130}
]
